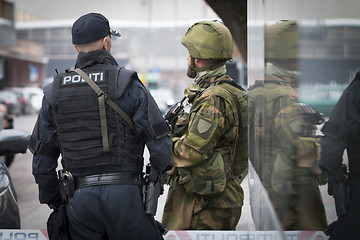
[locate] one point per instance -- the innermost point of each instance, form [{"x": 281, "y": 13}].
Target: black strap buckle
[{"x": 38, "y": 146}]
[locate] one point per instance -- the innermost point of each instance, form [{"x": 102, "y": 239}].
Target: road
[{"x": 34, "y": 215}]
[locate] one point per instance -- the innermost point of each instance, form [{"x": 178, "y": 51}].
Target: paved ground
[{"x": 34, "y": 215}]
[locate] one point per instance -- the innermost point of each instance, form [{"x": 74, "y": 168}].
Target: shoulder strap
[
  {"x": 102, "y": 100},
  {"x": 234, "y": 84},
  {"x": 225, "y": 93}
]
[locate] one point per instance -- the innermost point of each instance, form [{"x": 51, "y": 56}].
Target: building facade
[{"x": 21, "y": 62}]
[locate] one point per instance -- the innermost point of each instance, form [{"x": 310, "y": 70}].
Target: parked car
[
  {"x": 29, "y": 98},
  {"x": 36, "y": 96},
  {"x": 10, "y": 99},
  {"x": 24, "y": 102},
  {"x": 12, "y": 141}
]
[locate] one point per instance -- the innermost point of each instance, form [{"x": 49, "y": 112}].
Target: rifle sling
[{"x": 102, "y": 100}]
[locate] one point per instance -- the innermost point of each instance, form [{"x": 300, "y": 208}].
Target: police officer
[
  {"x": 100, "y": 149},
  {"x": 341, "y": 132},
  {"x": 283, "y": 147},
  {"x": 210, "y": 141}
]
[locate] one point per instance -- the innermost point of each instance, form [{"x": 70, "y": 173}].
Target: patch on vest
[{"x": 73, "y": 79}]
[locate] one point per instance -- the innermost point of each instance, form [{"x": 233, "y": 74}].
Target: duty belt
[{"x": 108, "y": 179}]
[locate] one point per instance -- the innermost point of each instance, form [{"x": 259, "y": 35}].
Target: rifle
[
  {"x": 312, "y": 115},
  {"x": 338, "y": 187},
  {"x": 172, "y": 114},
  {"x": 152, "y": 189}
]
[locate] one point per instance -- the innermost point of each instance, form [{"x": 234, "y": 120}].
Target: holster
[
  {"x": 338, "y": 188},
  {"x": 67, "y": 185},
  {"x": 57, "y": 224},
  {"x": 151, "y": 190}
]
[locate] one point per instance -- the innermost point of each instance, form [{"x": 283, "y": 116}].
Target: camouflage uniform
[
  {"x": 284, "y": 152},
  {"x": 215, "y": 124},
  {"x": 209, "y": 142}
]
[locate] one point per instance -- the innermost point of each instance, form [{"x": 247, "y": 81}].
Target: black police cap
[{"x": 91, "y": 27}]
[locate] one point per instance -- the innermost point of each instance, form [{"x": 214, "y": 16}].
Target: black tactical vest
[{"x": 77, "y": 118}]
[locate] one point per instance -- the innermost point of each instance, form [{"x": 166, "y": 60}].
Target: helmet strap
[
  {"x": 192, "y": 67},
  {"x": 200, "y": 69}
]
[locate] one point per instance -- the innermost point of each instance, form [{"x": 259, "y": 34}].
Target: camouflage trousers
[
  {"x": 188, "y": 211},
  {"x": 216, "y": 219},
  {"x": 303, "y": 211}
]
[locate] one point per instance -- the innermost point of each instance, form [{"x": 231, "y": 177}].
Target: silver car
[{"x": 12, "y": 141}]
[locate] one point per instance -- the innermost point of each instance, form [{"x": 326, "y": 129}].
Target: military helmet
[
  {"x": 209, "y": 40},
  {"x": 282, "y": 40}
]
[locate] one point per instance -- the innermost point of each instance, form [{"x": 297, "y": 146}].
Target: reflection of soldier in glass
[{"x": 283, "y": 147}]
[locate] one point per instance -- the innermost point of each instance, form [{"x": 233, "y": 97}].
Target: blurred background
[{"x": 35, "y": 39}]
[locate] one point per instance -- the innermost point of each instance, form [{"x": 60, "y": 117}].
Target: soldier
[
  {"x": 342, "y": 132},
  {"x": 284, "y": 150},
  {"x": 210, "y": 141},
  {"x": 101, "y": 137}
]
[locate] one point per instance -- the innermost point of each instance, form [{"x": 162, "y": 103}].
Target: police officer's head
[
  {"x": 209, "y": 44},
  {"x": 92, "y": 32}
]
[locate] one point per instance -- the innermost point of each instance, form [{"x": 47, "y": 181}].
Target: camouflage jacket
[{"x": 216, "y": 122}]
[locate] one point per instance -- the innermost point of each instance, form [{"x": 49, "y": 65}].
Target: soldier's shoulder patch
[{"x": 203, "y": 126}]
